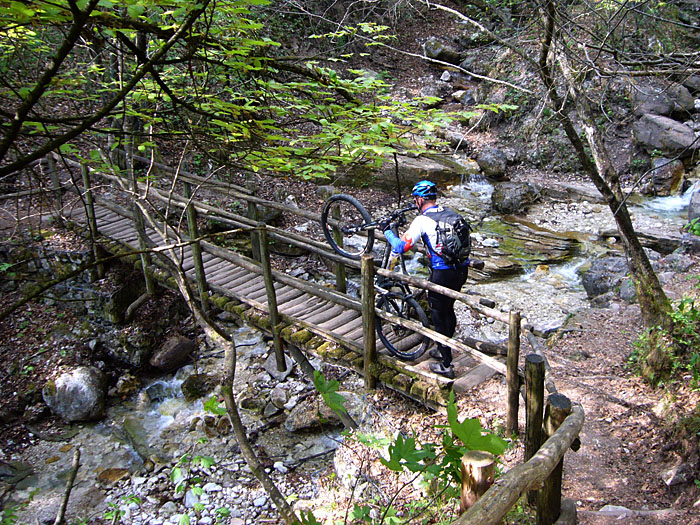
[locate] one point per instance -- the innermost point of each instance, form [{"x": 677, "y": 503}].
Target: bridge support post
[
  {"x": 55, "y": 181},
  {"x": 512, "y": 377},
  {"x": 196, "y": 249},
  {"x": 549, "y": 497},
  {"x": 90, "y": 212},
  {"x": 534, "y": 406},
  {"x": 369, "y": 336},
  {"x": 341, "y": 283},
  {"x": 271, "y": 299},
  {"x": 253, "y": 215}
]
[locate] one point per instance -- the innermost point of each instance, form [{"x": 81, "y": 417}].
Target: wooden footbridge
[
  {"x": 308, "y": 317},
  {"x": 317, "y": 319}
]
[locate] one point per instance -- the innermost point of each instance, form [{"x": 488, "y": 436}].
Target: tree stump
[{"x": 477, "y": 476}]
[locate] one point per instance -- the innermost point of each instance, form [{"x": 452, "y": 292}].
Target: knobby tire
[
  {"x": 358, "y": 239},
  {"x": 402, "y": 342}
]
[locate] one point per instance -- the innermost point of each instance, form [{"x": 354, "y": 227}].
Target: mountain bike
[{"x": 349, "y": 229}]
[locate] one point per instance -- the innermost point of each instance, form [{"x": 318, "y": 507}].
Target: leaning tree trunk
[
  {"x": 653, "y": 301},
  {"x": 223, "y": 341}
]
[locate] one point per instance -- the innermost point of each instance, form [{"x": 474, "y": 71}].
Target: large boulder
[
  {"x": 493, "y": 163},
  {"x": 436, "y": 50},
  {"x": 662, "y": 100},
  {"x": 510, "y": 198},
  {"x": 77, "y": 395},
  {"x": 667, "y": 177},
  {"x": 694, "y": 205},
  {"x": 656, "y": 132},
  {"x": 175, "y": 352},
  {"x": 604, "y": 275}
]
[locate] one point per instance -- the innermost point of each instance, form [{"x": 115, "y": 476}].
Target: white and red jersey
[{"x": 424, "y": 228}]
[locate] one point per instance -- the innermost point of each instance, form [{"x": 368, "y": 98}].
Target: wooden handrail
[{"x": 499, "y": 499}]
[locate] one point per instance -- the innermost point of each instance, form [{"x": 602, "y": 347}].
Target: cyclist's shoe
[
  {"x": 435, "y": 354},
  {"x": 437, "y": 368}
]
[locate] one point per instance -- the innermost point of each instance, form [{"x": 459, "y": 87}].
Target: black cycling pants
[{"x": 442, "y": 307}]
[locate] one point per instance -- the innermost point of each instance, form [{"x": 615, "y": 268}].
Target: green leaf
[
  {"x": 183, "y": 519},
  {"x": 404, "y": 454},
  {"x": 308, "y": 518},
  {"x": 205, "y": 461},
  {"x": 329, "y": 393},
  {"x": 176, "y": 474},
  {"x": 471, "y": 434},
  {"x": 212, "y": 406}
]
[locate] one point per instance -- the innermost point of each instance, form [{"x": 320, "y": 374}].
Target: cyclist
[{"x": 424, "y": 227}]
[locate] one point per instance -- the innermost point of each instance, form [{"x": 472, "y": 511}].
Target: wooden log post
[
  {"x": 91, "y": 217},
  {"x": 534, "y": 407},
  {"x": 55, "y": 181},
  {"x": 549, "y": 497},
  {"x": 196, "y": 248},
  {"x": 512, "y": 377},
  {"x": 341, "y": 283},
  {"x": 253, "y": 215},
  {"x": 478, "y": 468},
  {"x": 271, "y": 299},
  {"x": 369, "y": 336}
]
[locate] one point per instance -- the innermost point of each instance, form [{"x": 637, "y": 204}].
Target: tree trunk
[{"x": 653, "y": 301}]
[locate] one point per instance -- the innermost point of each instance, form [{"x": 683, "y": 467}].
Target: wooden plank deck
[{"x": 320, "y": 315}]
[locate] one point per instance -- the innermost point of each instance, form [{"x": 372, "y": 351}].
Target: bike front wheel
[
  {"x": 402, "y": 342},
  {"x": 346, "y": 226}
]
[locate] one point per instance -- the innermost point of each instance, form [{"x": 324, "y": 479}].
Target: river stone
[
  {"x": 628, "y": 292},
  {"x": 662, "y": 100},
  {"x": 604, "y": 275},
  {"x": 198, "y": 385},
  {"x": 694, "y": 206},
  {"x": 667, "y": 177},
  {"x": 510, "y": 198},
  {"x": 77, "y": 395},
  {"x": 175, "y": 352},
  {"x": 270, "y": 366},
  {"x": 655, "y": 132},
  {"x": 493, "y": 162},
  {"x": 313, "y": 412}
]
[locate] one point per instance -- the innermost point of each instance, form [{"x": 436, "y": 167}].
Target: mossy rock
[
  {"x": 231, "y": 305},
  {"x": 330, "y": 350},
  {"x": 240, "y": 309},
  {"x": 438, "y": 396},
  {"x": 387, "y": 376},
  {"x": 358, "y": 363},
  {"x": 220, "y": 301},
  {"x": 314, "y": 342},
  {"x": 287, "y": 333},
  {"x": 420, "y": 389},
  {"x": 301, "y": 337},
  {"x": 265, "y": 322},
  {"x": 402, "y": 382}
]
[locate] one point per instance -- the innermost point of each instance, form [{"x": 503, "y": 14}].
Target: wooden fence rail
[{"x": 504, "y": 494}]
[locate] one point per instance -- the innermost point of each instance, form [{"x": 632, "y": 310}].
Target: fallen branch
[{"x": 69, "y": 487}]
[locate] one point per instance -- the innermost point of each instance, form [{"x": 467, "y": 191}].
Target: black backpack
[{"x": 453, "y": 236}]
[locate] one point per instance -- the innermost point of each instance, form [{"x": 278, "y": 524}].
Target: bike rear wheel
[
  {"x": 402, "y": 342},
  {"x": 345, "y": 223}
]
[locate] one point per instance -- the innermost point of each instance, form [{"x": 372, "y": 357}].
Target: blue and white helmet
[{"x": 425, "y": 189}]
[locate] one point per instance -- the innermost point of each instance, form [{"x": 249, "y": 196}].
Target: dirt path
[{"x": 627, "y": 443}]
